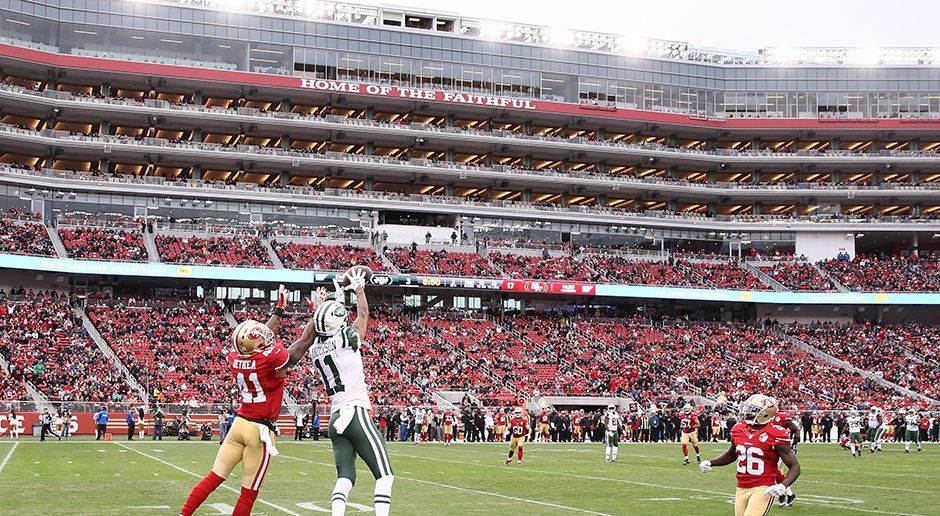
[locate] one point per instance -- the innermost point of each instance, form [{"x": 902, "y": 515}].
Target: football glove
[
  {"x": 357, "y": 279},
  {"x": 776, "y": 490},
  {"x": 281, "y": 297},
  {"x": 705, "y": 466}
]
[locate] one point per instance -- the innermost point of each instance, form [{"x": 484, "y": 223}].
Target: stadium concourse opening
[{"x": 301, "y": 257}]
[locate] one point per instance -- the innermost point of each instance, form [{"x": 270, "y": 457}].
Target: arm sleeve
[{"x": 351, "y": 338}]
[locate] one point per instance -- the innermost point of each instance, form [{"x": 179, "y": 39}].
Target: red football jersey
[
  {"x": 518, "y": 426},
  {"x": 782, "y": 419},
  {"x": 448, "y": 419},
  {"x": 688, "y": 422},
  {"x": 500, "y": 419},
  {"x": 543, "y": 419},
  {"x": 261, "y": 389},
  {"x": 757, "y": 459}
]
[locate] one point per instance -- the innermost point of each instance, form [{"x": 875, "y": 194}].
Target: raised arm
[
  {"x": 362, "y": 312},
  {"x": 299, "y": 347},
  {"x": 275, "y": 321}
]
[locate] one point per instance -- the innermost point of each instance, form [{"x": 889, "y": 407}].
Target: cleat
[
  {"x": 685, "y": 462},
  {"x": 698, "y": 459},
  {"x": 782, "y": 500},
  {"x": 518, "y": 463},
  {"x": 790, "y": 499},
  {"x": 613, "y": 460},
  {"x": 607, "y": 461},
  {"x": 507, "y": 461}
]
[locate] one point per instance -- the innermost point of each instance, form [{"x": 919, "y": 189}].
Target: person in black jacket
[{"x": 826, "y": 423}]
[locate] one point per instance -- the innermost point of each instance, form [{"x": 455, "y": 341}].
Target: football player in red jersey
[
  {"x": 756, "y": 444},
  {"x": 785, "y": 420},
  {"x": 448, "y": 428},
  {"x": 258, "y": 364},
  {"x": 519, "y": 430},
  {"x": 544, "y": 427},
  {"x": 688, "y": 422},
  {"x": 499, "y": 426}
]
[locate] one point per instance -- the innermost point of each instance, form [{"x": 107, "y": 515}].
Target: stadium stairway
[
  {"x": 386, "y": 261},
  {"x": 851, "y": 368},
  {"x": 825, "y": 274},
  {"x": 485, "y": 253},
  {"x": 153, "y": 256},
  {"x": 108, "y": 352},
  {"x": 275, "y": 259},
  {"x": 56, "y": 241},
  {"x": 33, "y": 392},
  {"x": 764, "y": 278}
]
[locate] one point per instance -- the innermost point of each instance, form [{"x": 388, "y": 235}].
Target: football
[{"x": 344, "y": 281}]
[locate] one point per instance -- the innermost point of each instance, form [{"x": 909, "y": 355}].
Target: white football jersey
[
  {"x": 614, "y": 420},
  {"x": 912, "y": 422},
  {"x": 873, "y": 420},
  {"x": 339, "y": 363},
  {"x": 855, "y": 424}
]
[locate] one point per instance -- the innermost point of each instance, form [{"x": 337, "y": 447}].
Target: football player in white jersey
[
  {"x": 613, "y": 424},
  {"x": 854, "y": 422},
  {"x": 911, "y": 430},
  {"x": 337, "y": 359},
  {"x": 876, "y": 428}
]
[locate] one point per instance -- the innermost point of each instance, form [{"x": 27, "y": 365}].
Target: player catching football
[
  {"x": 336, "y": 357},
  {"x": 258, "y": 365},
  {"x": 755, "y": 447}
]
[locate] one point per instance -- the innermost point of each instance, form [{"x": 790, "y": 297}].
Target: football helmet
[
  {"x": 611, "y": 408},
  {"x": 517, "y": 412},
  {"x": 758, "y": 410},
  {"x": 329, "y": 318},
  {"x": 686, "y": 409},
  {"x": 251, "y": 337}
]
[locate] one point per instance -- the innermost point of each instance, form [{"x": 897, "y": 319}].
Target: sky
[{"x": 721, "y": 23}]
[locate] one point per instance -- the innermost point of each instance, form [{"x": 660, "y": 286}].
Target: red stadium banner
[
  {"x": 550, "y": 287},
  {"x": 83, "y": 423}
]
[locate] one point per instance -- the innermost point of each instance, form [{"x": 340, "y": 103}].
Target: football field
[{"x": 147, "y": 477}]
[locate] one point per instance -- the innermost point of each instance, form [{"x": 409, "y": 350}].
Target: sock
[
  {"x": 520, "y": 453},
  {"x": 907, "y": 446},
  {"x": 852, "y": 446},
  {"x": 246, "y": 500},
  {"x": 607, "y": 453},
  {"x": 202, "y": 491},
  {"x": 697, "y": 451},
  {"x": 340, "y": 494},
  {"x": 789, "y": 491},
  {"x": 383, "y": 495},
  {"x": 614, "y": 453},
  {"x": 510, "y": 454},
  {"x": 685, "y": 450}
]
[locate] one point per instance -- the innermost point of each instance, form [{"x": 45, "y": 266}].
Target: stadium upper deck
[{"x": 505, "y": 119}]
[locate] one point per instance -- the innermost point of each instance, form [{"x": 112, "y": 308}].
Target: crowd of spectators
[
  {"x": 46, "y": 346},
  {"x": 726, "y": 275},
  {"x": 886, "y": 273},
  {"x": 564, "y": 268},
  {"x": 104, "y": 244},
  {"x": 445, "y": 263},
  {"x": 798, "y": 276},
  {"x": 322, "y": 257},
  {"x": 621, "y": 269},
  {"x": 22, "y": 233},
  {"x": 243, "y": 250},
  {"x": 176, "y": 350},
  {"x": 903, "y": 354}
]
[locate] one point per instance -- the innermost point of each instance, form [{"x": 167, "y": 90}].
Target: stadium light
[{"x": 863, "y": 56}]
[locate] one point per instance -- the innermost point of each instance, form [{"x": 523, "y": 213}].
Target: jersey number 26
[{"x": 750, "y": 460}]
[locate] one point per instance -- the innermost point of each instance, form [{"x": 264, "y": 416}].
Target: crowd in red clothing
[
  {"x": 444, "y": 263},
  {"x": 726, "y": 275},
  {"x": 23, "y": 234},
  {"x": 47, "y": 347},
  {"x": 565, "y": 267},
  {"x": 175, "y": 350},
  {"x": 321, "y": 257},
  {"x": 11, "y": 388},
  {"x": 621, "y": 269},
  {"x": 798, "y": 276},
  {"x": 894, "y": 273},
  {"x": 218, "y": 250},
  {"x": 104, "y": 244},
  {"x": 903, "y": 354}
]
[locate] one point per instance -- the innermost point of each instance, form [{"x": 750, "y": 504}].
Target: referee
[{"x": 46, "y": 420}]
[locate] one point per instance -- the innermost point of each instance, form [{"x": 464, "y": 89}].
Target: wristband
[{"x": 279, "y": 311}]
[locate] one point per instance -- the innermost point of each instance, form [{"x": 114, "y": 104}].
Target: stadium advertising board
[
  {"x": 554, "y": 287},
  {"x": 83, "y": 423}
]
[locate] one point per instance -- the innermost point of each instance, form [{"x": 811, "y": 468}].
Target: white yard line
[
  {"x": 9, "y": 454},
  {"x": 467, "y": 490},
  {"x": 230, "y": 488}
]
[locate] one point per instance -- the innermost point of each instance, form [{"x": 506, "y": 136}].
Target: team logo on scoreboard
[{"x": 381, "y": 280}]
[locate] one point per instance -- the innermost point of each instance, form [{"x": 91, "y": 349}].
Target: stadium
[{"x": 400, "y": 242}]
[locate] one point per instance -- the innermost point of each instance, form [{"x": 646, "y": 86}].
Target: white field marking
[
  {"x": 310, "y": 506},
  {"x": 466, "y": 490},
  {"x": 885, "y": 488},
  {"x": 648, "y": 484},
  {"x": 661, "y": 499},
  {"x": 228, "y": 487},
  {"x": 223, "y": 508},
  {"x": 9, "y": 454},
  {"x": 145, "y": 507}
]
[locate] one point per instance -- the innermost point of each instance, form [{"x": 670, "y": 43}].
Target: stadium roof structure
[{"x": 449, "y": 22}]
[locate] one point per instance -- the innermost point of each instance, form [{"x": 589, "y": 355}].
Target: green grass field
[{"x": 88, "y": 477}]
